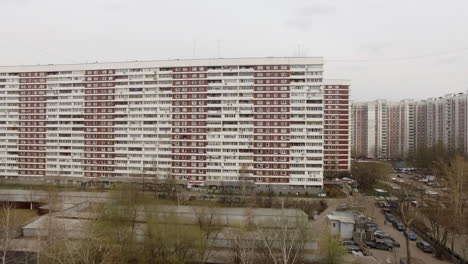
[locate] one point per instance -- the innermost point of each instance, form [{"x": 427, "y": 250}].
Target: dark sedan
[{"x": 424, "y": 246}]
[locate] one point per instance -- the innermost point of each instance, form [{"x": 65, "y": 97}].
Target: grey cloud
[
  {"x": 375, "y": 48},
  {"x": 304, "y": 18},
  {"x": 317, "y": 9},
  {"x": 449, "y": 60},
  {"x": 299, "y": 23},
  {"x": 112, "y": 5},
  {"x": 347, "y": 33}
]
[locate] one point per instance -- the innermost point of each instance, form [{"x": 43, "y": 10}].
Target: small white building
[{"x": 342, "y": 223}]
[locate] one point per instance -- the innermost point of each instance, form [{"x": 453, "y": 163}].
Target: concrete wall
[{"x": 344, "y": 229}]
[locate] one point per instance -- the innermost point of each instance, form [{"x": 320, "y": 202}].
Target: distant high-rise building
[
  {"x": 369, "y": 129},
  {"x": 400, "y": 125},
  {"x": 396, "y": 130},
  {"x": 195, "y": 120}
]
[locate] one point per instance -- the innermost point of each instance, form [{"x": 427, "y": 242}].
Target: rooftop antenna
[
  {"x": 219, "y": 48},
  {"x": 299, "y": 46}
]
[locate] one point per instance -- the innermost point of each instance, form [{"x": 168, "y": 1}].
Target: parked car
[
  {"x": 371, "y": 227},
  {"x": 389, "y": 217},
  {"x": 399, "y": 226},
  {"x": 348, "y": 242},
  {"x": 369, "y": 243},
  {"x": 386, "y": 210},
  {"x": 424, "y": 246},
  {"x": 384, "y": 236},
  {"x": 392, "y": 241},
  {"x": 357, "y": 253},
  {"x": 350, "y": 248},
  {"x": 411, "y": 235},
  {"x": 384, "y": 204},
  {"x": 383, "y": 244},
  {"x": 393, "y": 204},
  {"x": 380, "y": 234}
]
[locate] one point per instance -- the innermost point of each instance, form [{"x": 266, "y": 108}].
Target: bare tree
[
  {"x": 244, "y": 244},
  {"x": 61, "y": 248},
  {"x": 368, "y": 174},
  {"x": 407, "y": 212},
  {"x": 456, "y": 174},
  {"x": 154, "y": 177},
  {"x": 286, "y": 240},
  {"x": 438, "y": 217},
  {"x": 244, "y": 177},
  {"x": 7, "y": 228},
  {"x": 170, "y": 189},
  {"x": 208, "y": 221},
  {"x": 104, "y": 237},
  {"x": 58, "y": 244},
  {"x": 464, "y": 246},
  {"x": 168, "y": 241}
]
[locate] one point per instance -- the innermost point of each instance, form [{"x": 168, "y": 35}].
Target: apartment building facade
[
  {"x": 195, "y": 120},
  {"x": 443, "y": 121},
  {"x": 410, "y": 125},
  {"x": 369, "y": 129},
  {"x": 337, "y": 126}
]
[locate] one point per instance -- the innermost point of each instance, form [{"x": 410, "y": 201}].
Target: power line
[{"x": 407, "y": 58}]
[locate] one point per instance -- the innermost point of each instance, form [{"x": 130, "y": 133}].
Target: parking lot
[{"x": 396, "y": 253}]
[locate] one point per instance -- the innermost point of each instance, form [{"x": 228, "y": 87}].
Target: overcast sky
[{"x": 391, "y": 49}]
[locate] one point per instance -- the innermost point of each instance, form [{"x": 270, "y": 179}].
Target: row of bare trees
[
  {"x": 125, "y": 230},
  {"x": 442, "y": 219},
  {"x": 11, "y": 221},
  {"x": 8, "y": 228},
  {"x": 283, "y": 241},
  {"x": 447, "y": 217},
  {"x": 368, "y": 174},
  {"x": 134, "y": 228}
]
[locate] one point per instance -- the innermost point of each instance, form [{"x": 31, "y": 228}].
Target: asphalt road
[
  {"x": 397, "y": 253},
  {"x": 460, "y": 241}
]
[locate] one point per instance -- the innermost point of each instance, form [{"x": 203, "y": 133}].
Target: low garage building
[{"x": 341, "y": 223}]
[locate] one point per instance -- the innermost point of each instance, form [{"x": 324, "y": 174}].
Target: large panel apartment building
[
  {"x": 337, "y": 127},
  {"x": 395, "y": 130},
  {"x": 202, "y": 120}
]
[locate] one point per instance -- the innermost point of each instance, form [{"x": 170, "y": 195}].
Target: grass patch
[
  {"x": 333, "y": 191},
  {"x": 19, "y": 216},
  {"x": 45, "y": 187}
]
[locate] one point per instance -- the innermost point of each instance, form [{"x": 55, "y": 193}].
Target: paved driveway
[{"x": 382, "y": 255}]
